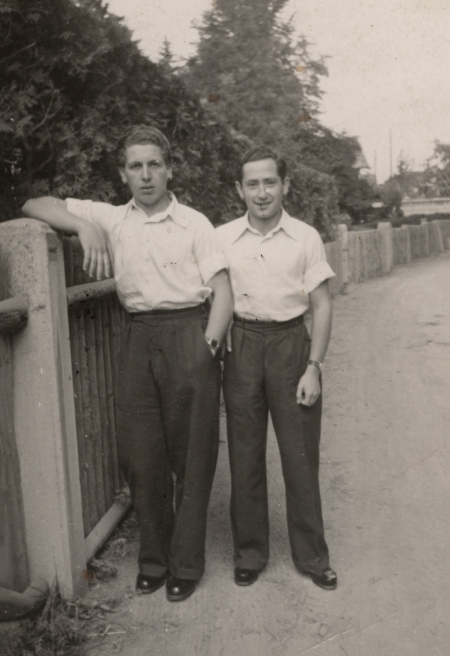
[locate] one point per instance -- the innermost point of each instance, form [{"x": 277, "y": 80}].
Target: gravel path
[{"x": 386, "y": 493}]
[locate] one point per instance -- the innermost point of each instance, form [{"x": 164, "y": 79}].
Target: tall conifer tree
[
  {"x": 253, "y": 73},
  {"x": 267, "y": 82}
]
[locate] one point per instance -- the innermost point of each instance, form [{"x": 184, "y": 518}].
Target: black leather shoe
[
  {"x": 326, "y": 580},
  {"x": 148, "y": 584},
  {"x": 179, "y": 589},
  {"x": 245, "y": 576}
]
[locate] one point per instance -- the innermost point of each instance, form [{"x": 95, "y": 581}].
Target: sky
[{"x": 387, "y": 60}]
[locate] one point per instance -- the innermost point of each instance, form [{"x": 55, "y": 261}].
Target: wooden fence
[
  {"x": 335, "y": 259},
  {"x": 96, "y": 320},
  {"x": 61, "y": 492}
]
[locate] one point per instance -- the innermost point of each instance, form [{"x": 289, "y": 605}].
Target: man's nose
[
  {"x": 146, "y": 172},
  {"x": 262, "y": 191}
]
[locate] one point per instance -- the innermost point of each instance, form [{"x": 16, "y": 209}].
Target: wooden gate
[{"x": 96, "y": 321}]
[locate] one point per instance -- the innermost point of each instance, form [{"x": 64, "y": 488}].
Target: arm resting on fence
[{"x": 13, "y": 314}]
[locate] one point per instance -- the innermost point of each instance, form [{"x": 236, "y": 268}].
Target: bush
[{"x": 72, "y": 81}]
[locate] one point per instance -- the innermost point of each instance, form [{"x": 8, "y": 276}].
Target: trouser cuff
[
  {"x": 151, "y": 569},
  {"x": 316, "y": 566},
  {"x": 186, "y": 573},
  {"x": 250, "y": 561}
]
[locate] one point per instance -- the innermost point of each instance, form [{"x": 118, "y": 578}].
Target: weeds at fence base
[
  {"x": 75, "y": 628},
  {"x": 60, "y": 628}
]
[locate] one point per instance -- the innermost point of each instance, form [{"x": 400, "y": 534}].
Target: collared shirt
[
  {"x": 272, "y": 275},
  {"x": 160, "y": 262}
]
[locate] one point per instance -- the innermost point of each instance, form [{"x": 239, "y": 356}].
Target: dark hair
[
  {"x": 144, "y": 134},
  {"x": 258, "y": 153}
]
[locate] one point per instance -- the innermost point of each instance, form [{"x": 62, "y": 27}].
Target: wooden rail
[
  {"x": 90, "y": 291},
  {"x": 13, "y": 315}
]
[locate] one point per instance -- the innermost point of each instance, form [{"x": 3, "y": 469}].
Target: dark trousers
[
  {"x": 168, "y": 423},
  {"x": 261, "y": 374}
]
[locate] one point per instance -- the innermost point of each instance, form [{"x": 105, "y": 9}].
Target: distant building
[{"x": 425, "y": 206}]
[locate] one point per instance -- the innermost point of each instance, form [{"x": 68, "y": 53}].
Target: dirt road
[{"x": 386, "y": 493}]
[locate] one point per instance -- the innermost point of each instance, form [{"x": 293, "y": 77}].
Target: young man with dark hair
[
  {"x": 166, "y": 265},
  {"x": 277, "y": 267}
]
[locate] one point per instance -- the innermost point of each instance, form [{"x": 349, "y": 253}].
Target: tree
[
  {"x": 337, "y": 155},
  {"x": 436, "y": 177},
  {"x": 252, "y": 74},
  {"x": 166, "y": 62},
  {"x": 432, "y": 182},
  {"x": 71, "y": 81},
  {"x": 246, "y": 69}
]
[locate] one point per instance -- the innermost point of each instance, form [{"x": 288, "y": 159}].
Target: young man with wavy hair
[{"x": 166, "y": 265}]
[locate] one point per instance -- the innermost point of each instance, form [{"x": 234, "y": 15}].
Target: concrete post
[
  {"x": 436, "y": 226},
  {"x": 388, "y": 246},
  {"x": 44, "y": 412},
  {"x": 408, "y": 243},
  {"x": 424, "y": 224},
  {"x": 343, "y": 236}
]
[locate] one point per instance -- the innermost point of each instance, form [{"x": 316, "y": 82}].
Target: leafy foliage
[
  {"x": 254, "y": 75},
  {"x": 72, "y": 80},
  {"x": 247, "y": 55},
  {"x": 432, "y": 182},
  {"x": 436, "y": 177},
  {"x": 338, "y": 155}
]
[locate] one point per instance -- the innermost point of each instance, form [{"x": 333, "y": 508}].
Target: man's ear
[
  {"x": 286, "y": 185},
  {"x": 123, "y": 177},
  {"x": 239, "y": 189}
]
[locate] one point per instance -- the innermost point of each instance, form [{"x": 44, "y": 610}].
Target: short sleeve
[
  {"x": 97, "y": 213},
  {"x": 317, "y": 269},
  {"x": 210, "y": 259},
  {"x": 81, "y": 208}
]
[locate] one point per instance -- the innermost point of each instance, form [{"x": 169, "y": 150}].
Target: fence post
[
  {"x": 408, "y": 243},
  {"x": 13, "y": 558},
  {"x": 343, "y": 236},
  {"x": 387, "y": 255},
  {"x": 43, "y": 406},
  {"x": 438, "y": 235},
  {"x": 424, "y": 224},
  {"x": 444, "y": 225}
]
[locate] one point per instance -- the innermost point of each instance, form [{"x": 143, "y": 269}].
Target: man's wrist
[
  {"x": 315, "y": 364},
  {"x": 213, "y": 344}
]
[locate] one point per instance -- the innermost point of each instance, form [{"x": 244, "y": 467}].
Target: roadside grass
[
  {"x": 77, "y": 627},
  {"x": 60, "y": 628}
]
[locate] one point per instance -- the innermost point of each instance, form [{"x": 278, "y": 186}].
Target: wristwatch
[
  {"x": 213, "y": 344},
  {"x": 316, "y": 364}
]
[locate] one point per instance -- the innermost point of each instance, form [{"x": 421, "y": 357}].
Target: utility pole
[
  {"x": 375, "y": 164},
  {"x": 390, "y": 150}
]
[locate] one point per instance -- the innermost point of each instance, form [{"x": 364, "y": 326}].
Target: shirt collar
[
  {"x": 285, "y": 223},
  {"x": 172, "y": 212}
]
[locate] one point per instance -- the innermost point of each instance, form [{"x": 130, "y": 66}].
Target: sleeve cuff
[
  {"x": 212, "y": 265},
  {"x": 317, "y": 275}
]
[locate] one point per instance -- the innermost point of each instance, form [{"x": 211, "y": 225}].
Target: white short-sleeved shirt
[
  {"x": 160, "y": 262},
  {"x": 272, "y": 275}
]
